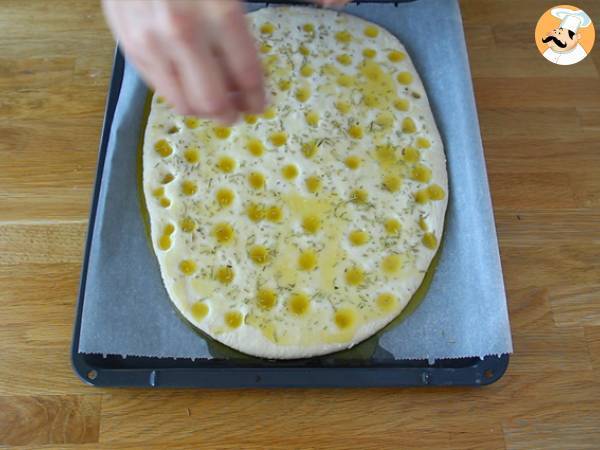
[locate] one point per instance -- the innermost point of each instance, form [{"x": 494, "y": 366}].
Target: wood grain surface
[{"x": 540, "y": 125}]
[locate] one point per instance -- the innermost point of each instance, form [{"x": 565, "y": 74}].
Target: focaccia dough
[{"x": 307, "y": 229}]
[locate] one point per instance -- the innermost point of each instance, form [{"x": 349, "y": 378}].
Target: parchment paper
[{"x": 127, "y": 310}]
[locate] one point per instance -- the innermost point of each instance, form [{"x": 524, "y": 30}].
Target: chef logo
[{"x": 565, "y": 35}]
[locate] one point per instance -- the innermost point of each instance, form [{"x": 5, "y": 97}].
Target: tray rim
[{"x": 484, "y": 371}]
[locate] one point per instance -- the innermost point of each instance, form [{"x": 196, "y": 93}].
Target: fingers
[
  {"x": 198, "y": 54},
  {"x": 163, "y": 72},
  {"x": 235, "y": 46},
  {"x": 133, "y": 28},
  {"x": 202, "y": 75}
]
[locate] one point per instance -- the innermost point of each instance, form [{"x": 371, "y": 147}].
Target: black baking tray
[{"x": 223, "y": 372}]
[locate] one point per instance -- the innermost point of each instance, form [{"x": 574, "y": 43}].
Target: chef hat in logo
[{"x": 571, "y": 19}]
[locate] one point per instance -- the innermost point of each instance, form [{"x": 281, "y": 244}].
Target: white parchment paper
[{"x": 464, "y": 314}]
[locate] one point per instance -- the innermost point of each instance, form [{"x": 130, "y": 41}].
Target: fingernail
[
  {"x": 332, "y": 4},
  {"x": 255, "y": 101},
  {"x": 186, "y": 112},
  {"x": 228, "y": 118}
]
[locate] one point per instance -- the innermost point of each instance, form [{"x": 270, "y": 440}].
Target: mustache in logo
[{"x": 556, "y": 41}]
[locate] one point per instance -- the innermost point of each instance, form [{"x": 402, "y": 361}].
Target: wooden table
[{"x": 541, "y": 130}]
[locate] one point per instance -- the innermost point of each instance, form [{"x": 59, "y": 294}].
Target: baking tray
[{"x": 222, "y": 372}]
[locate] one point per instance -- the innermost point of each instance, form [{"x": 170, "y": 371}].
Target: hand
[{"x": 199, "y": 55}]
